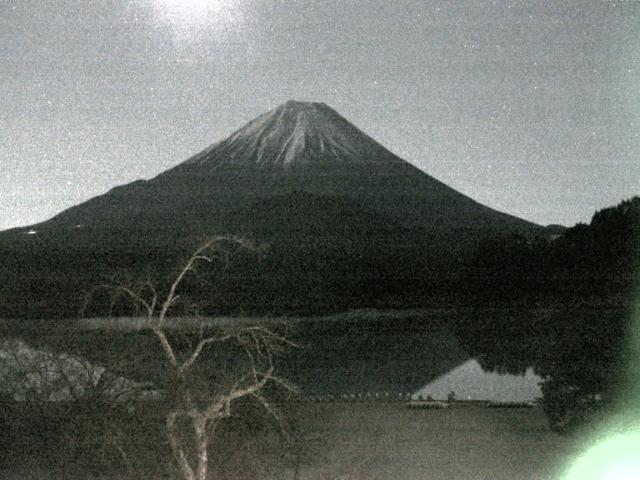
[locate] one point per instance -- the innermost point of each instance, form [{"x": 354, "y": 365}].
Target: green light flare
[{"x": 616, "y": 456}]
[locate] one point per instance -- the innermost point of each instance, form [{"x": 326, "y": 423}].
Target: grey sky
[{"x": 529, "y": 107}]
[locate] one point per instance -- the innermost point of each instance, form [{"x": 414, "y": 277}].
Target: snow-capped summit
[{"x": 295, "y": 133}]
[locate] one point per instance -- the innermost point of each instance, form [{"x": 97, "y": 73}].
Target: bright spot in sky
[
  {"x": 616, "y": 458},
  {"x": 189, "y": 8},
  {"x": 190, "y": 17}
]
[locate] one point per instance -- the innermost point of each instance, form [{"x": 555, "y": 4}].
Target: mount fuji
[{"x": 349, "y": 224}]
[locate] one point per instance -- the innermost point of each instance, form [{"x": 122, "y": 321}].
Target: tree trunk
[
  {"x": 202, "y": 444},
  {"x": 177, "y": 450}
]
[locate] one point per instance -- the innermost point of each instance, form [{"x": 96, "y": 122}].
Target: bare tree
[{"x": 194, "y": 400}]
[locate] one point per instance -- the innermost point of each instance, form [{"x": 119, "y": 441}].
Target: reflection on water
[
  {"x": 365, "y": 351},
  {"x": 470, "y": 382}
]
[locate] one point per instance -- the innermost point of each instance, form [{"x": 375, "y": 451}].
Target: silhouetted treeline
[{"x": 562, "y": 305}]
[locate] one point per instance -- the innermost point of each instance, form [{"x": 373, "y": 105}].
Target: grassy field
[
  {"x": 359, "y": 441},
  {"x": 388, "y": 441},
  {"x": 377, "y": 440}
]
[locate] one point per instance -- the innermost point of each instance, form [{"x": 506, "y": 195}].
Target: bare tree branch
[
  {"x": 198, "y": 255},
  {"x": 198, "y": 350},
  {"x": 192, "y": 402}
]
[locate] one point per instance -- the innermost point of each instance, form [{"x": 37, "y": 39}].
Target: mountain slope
[
  {"x": 350, "y": 224},
  {"x": 295, "y": 147}
]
